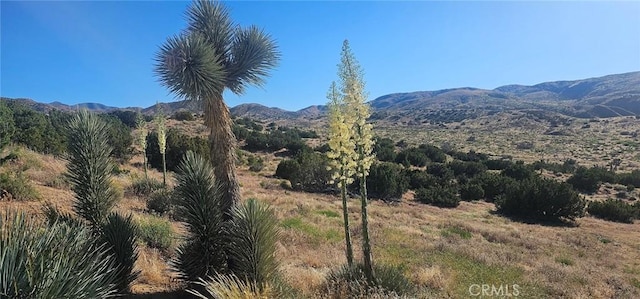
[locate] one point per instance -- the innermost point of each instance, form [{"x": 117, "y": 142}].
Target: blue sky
[{"x": 103, "y": 52}]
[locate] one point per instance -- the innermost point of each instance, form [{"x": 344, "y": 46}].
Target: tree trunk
[
  {"x": 347, "y": 230},
  {"x": 164, "y": 169},
  {"x": 222, "y": 144}
]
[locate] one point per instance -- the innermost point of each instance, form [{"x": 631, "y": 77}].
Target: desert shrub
[
  {"x": 256, "y": 164},
  {"x": 541, "y": 199},
  {"x": 469, "y": 192},
  {"x": 127, "y": 117},
  {"x": 588, "y": 180},
  {"x": 569, "y": 166},
  {"x": 470, "y": 156},
  {"x": 314, "y": 175},
  {"x": 497, "y": 164},
  {"x": 7, "y": 128},
  {"x": 145, "y": 186},
  {"x": 253, "y": 233},
  {"x": 183, "y": 115},
  {"x": 630, "y": 179},
  {"x": 384, "y": 149},
  {"x": 38, "y": 262},
  {"x": 287, "y": 169},
  {"x": 412, "y": 156},
  {"x": 18, "y": 185},
  {"x": 438, "y": 195},
  {"x": 177, "y": 146},
  {"x": 160, "y": 201},
  {"x": 613, "y": 210},
  {"x": 493, "y": 185},
  {"x": 387, "y": 181},
  {"x": 468, "y": 169},
  {"x": 518, "y": 171},
  {"x": 421, "y": 179},
  {"x": 156, "y": 232},
  {"x": 351, "y": 282},
  {"x": 433, "y": 153},
  {"x": 441, "y": 171},
  {"x": 198, "y": 202},
  {"x": 118, "y": 137}
]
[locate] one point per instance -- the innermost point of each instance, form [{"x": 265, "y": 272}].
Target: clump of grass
[
  {"x": 156, "y": 232},
  {"x": 456, "y": 230},
  {"x": 18, "y": 185},
  {"x": 351, "y": 282},
  {"x": 160, "y": 201},
  {"x": 565, "y": 261},
  {"x": 328, "y": 213},
  {"x": 316, "y": 235},
  {"x": 145, "y": 186}
]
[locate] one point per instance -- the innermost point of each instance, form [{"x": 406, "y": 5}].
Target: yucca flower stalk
[
  {"x": 162, "y": 142},
  {"x": 352, "y": 88},
  {"x": 342, "y": 154},
  {"x": 142, "y": 141}
]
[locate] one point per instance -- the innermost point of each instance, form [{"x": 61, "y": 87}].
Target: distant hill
[{"x": 608, "y": 96}]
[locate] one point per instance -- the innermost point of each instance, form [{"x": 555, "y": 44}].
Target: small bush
[
  {"x": 350, "y": 282},
  {"x": 613, "y": 210},
  {"x": 493, "y": 185},
  {"x": 183, "y": 115},
  {"x": 256, "y": 164},
  {"x": 156, "y": 232},
  {"x": 469, "y": 192},
  {"x": 287, "y": 169},
  {"x": 421, "y": 179},
  {"x": 589, "y": 179},
  {"x": 440, "y": 196},
  {"x": 518, "y": 171},
  {"x": 144, "y": 187},
  {"x": 160, "y": 201},
  {"x": 387, "y": 181},
  {"x": 18, "y": 185},
  {"x": 541, "y": 199}
]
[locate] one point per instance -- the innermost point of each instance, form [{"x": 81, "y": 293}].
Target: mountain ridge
[{"x": 606, "y": 96}]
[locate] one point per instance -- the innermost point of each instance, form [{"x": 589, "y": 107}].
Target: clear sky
[{"x": 86, "y": 51}]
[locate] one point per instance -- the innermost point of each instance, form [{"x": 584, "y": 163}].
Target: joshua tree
[
  {"x": 211, "y": 55},
  {"x": 342, "y": 154},
  {"x": 352, "y": 88}
]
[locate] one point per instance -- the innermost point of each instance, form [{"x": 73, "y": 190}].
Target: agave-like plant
[
  {"x": 253, "y": 232},
  {"x": 89, "y": 168},
  {"x": 61, "y": 261},
  {"x": 198, "y": 199},
  {"x": 211, "y": 55}
]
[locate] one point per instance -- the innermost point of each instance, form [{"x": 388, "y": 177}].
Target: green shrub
[
  {"x": 412, "y": 156},
  {"x": 183, "y": 115},
  {"x": 421, "y": 179},
  {"x": 541, "y": 199},
  {"x": 177, "y": 146},
  {"x": 156, "y": 232},
  {"x": 7, "y": 128},
  {"x": 384, "y": 149},
  {"x": 613, "y": 210},
  {"x": 468, "y": 169},
  {"x": 441, "y": 171},
  {"x": 145, "y": 186},
  {"x": 287, "y": 169},
  {"x": 314, "y": 175},
  {"x": 39, "y": 262},
  {"x": 160, "y": 201},
  {"x": 589, "y": 179},
  {"x": 18, "y": 185},
  {"x": 631, "y": 179},
  {"x": 351, "y": 282},
  {"x": 518, "y": 171},
  {"x": 438, "y": 195},
  {"x": 387, "y": 180},
  {"x": 493, "y": 185},
  {"x": 469, "y": 192},
  {"x": 256, "y": 164}
]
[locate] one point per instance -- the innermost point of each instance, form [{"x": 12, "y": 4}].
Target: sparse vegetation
[{"x": 614, "y": 210}]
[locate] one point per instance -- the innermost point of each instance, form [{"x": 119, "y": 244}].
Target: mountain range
[{"x": 608, "y": 96}]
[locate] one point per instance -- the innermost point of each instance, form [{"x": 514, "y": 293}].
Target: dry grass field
[{"x": 443, "y": 251}]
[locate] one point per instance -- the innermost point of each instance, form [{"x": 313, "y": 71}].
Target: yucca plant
[
  {"x": 119, "y": 234},
  {"x": 211, "y": 55},
  {"x": 161, "y": 127},
  {"x": 231, "y": 287},
  {"x": 342, "y": 154},
  {"x": 60, "y": 261},
  {"x": 198, "y": 205},
  {"x": 142, "y": 140},
  {"x": 352, "y": 88},
  {"x": 253, "y": 233},
  {"x": 89, "y": 168}
]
